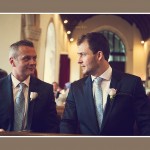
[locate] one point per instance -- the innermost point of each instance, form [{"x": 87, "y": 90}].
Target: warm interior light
[
  {"x": 142, "y": 42},
  {"x": 68, "y": 32},
  {"x": 65, "y": 21},
  {"x": 71, "y": 40}
]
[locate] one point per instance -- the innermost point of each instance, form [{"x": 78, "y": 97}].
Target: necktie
[
  {"x": 19, "y": 108},
  {"x": 98, "y": 100}
]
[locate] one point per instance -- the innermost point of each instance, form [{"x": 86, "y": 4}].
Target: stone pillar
[{"x": 31, "y": 31}]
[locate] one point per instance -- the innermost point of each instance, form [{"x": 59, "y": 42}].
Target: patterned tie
[
  {"x": 19, "y": 108},
  {"x": 98, "y": 100}
]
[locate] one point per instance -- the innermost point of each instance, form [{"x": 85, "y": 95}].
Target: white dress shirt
[{"x": 105, "y": 84}]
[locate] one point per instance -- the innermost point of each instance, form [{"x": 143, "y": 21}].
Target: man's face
[
  {"x": 25, "y": 63},
  {"x": 87, "y": 60},
  {"x": 55, "y": 86}
]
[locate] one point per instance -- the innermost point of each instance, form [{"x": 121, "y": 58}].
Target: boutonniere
[
  {"x": 112, "y": 93},
  {"x": 33, "y": 95}
]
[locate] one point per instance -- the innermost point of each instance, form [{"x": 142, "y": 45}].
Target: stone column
[{"x": 31, "y": 31}]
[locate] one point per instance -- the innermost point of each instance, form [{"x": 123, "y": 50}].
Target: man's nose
[{"x": 79, "y": 60}]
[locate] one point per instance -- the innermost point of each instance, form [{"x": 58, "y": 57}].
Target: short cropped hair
[
  {"x": 97, "y": 42},
  {"x": 13, "y": 52}
]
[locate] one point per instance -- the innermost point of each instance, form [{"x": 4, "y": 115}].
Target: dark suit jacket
[
  {"x": 129, "y": 104},
  {"x": 42, "y": 116}
]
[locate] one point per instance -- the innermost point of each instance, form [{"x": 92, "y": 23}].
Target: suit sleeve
[
  {"x": 69, "y": 120},
  {"x": 53, "y": 123},
  {"x": 45, "y": 117},
  {"x": 51, "y": 118},
  {"x": 142, "y": 108}
]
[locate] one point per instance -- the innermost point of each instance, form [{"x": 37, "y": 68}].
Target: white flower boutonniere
[
  {"x": 33, "y": 95},
  {"x": 112, "y": 93}
]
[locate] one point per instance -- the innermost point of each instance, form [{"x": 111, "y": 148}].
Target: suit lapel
[
  {"x": 32, "y": 88},
  {"x": 116, "y": 76},
  {"x": 89, "y": 104}
]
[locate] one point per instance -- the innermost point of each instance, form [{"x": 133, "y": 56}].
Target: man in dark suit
[
  {"x": 3, "y": 73},
  {"x": 39, "y": 106},
  {"x": 123, "y": 97}
]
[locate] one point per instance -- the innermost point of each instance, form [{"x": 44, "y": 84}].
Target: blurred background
[{"x": 55, "y": 35}]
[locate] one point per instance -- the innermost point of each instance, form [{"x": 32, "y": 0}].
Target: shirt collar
[
  {"x": 16, "y": 82},
  {"x": 106, "y": 75}
]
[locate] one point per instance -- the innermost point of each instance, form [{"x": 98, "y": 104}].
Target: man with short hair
[
  {"x": 21, "y": 91},
  {"x": 106, "y": 101}
]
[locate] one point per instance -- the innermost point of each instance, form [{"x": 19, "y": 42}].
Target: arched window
[
  {"x": 50, "y": 65},
  {"x": 117, "y": 56}
]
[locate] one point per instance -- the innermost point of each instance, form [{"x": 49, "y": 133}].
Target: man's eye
[
  {"x": 26, "y": 58},
  {"x": 29, "y": 58},
  {"x": 34, "y": 58},
  {"x": 83, "y": 54}
]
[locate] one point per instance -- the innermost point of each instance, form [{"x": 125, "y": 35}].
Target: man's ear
[
  {"x": 12, "y": 61},
  {"x": 100, "y": 55}
]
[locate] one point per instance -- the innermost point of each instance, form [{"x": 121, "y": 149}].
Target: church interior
[{"x": 55, "y": 36}]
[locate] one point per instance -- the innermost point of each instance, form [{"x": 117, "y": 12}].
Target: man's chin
[
  {"x": 30, "y": 72},
  {"x": 85, "y": 73}
]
